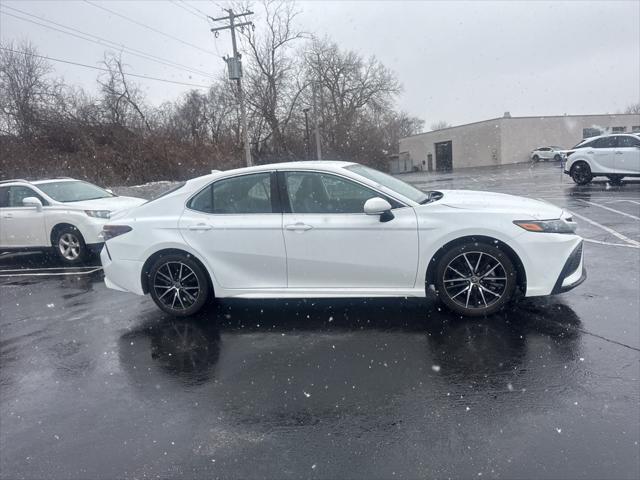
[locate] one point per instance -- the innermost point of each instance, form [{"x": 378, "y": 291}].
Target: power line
[
  {"x": 147, "y": 77},
  {"x": 101, "y": 41},
  {"x": 144, "y": 25},
  {"x": 195, "y": 8},
  {"x": 187, "y": 8}
]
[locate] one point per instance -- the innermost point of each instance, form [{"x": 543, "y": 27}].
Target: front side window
[
  {"x": 628, "y": 141},
  {"x": 18, "y": 193},
  {"x": 73, "y": 191},
  {"x": 237, "y": 195},
  {"x": 313, "y": 192}
]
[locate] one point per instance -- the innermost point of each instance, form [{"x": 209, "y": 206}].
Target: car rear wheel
[
  {"x": 178, "y": 285},
  {"x": 475, "y": 279},
  {"x": 69, "y": 245},
  {"x": 581, "y": 173}
]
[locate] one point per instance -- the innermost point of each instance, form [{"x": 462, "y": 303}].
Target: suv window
[
  {"x": 628, "y": 141},
  {"x": 236, "y": 195},
  {"x": 313, "y": 192},
  {"x": 4, "y": 197},
  {"x": 605, "y": 142},
  {"x": 17, "y": 193}
]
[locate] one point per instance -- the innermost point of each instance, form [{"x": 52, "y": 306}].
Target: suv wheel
[
  {"x": 178, "y": 285},
  {"x": 475, "y": 279},
  {"x": 536, "y": 158},
  {"x": 69, "y": 245},
  {"x": 615, "y": 179},
  {"x": 557, "y": 158},
  {"x": 581, "y": 173}
]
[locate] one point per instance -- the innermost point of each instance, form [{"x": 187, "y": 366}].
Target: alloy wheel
[
  {"x": 69, "y": 246},
  {"x": 475, "y": 280},
  {"x": 176, "y": 285}
]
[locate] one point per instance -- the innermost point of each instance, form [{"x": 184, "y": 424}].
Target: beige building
[{"x": 502, "y": 140}]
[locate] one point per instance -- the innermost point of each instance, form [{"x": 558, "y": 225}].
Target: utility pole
[
  {"x": 307, "y": 139},
  {"x": 234, "y": 66},
  {"x": 316, "y": 123}
]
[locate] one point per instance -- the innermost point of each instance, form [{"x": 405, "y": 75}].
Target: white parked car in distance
[
  {"x": 64, "y": 214},
  {"x": 338, "y": 229},
  {"x": 548, "y": 153},
  {"x": 613, "y": 156}
]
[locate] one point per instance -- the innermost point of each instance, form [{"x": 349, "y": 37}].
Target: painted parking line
[
  {"x": 609, "y": 209},
  {"x": 48, "y": 268},
  {"x": 610, "y": 244},
  {"x": 34, "y": 273},
  {"x": 616, "y": 234}
]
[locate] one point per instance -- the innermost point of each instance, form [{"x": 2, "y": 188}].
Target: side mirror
[
  {"x": 32, "y": 202},
  {"x": 378, "y": 206}
]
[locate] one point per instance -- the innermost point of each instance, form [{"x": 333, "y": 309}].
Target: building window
[
  {"x": 635, "y": 128},
  {"x": 591, "y": 132},
  {"x": 618, "y": 129}
]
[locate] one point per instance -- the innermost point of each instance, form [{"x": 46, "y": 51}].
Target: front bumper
[{"x": 573, "y": 273}]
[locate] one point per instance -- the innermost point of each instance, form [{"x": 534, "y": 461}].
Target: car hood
[
  {"x": 113, "y": 204},
  {"x": 521, "y": 207}
]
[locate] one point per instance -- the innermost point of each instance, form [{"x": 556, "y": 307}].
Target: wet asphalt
[{"x": 100, "y": 384}]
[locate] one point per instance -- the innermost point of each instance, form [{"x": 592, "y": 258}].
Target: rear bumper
[
  {"x": 122, "y": 275},
  {"x": 573, "y": 273}
]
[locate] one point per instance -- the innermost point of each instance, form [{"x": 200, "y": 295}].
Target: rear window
[{"x": 171, "y": 190}]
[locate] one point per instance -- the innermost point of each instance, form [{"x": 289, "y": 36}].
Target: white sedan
[
  {"x": 62, "y": 213},
  {"x": 338, "y": 229}
]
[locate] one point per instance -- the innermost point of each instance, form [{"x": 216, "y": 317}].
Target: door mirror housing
[
  {"x": 378, "y": 206},
  {"x": 32, "y": 202}
]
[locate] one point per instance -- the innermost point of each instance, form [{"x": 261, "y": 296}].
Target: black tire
[
  {"x": 557, "y": 158},
  {"x": 536, "y": 159},
  {"x": 69, "y": 245},
  {"x": 475, "y": 279},
  {"x": 581, "y": 173},
  {"x": 178, "y": 285},
  {"x": 615, "y": 179}
]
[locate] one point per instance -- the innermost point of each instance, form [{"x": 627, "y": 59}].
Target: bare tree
[
  {"x": 439, "y": 125},
  {"x": 24, "y": 88},
  {"x": 120, "y": 97},
  {"x": 273, "y": 76},
  {"x": 633, "y": 108}
]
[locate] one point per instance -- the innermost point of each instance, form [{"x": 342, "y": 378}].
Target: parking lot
[{"x": 100, "y": 384}]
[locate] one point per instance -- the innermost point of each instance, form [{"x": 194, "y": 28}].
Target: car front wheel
[
  {"x": 475, "y": 279},
  {"x": 178, "y": 285},
  {"x": 69, "y": 245},
  {"x": 581, "y": 173}
]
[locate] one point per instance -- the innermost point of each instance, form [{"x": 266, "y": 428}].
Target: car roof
[{"x": 50, "y": 180}]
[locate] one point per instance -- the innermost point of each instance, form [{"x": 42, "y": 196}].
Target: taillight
[{"x": 111, "y": 231}]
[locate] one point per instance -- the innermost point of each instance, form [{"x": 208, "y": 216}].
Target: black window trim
[
  {"x": 275, "y": 203},
  {"x": 284, "y": 194}
]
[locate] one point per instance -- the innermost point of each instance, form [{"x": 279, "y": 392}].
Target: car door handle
[
  {"x": 619, "y": 153},
  {"x": 298, "y": 227},
  {"x": 200, "y": 227}
]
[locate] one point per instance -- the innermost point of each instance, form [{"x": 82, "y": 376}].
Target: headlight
[
  {"x": 561, "y": 225},
  {"x": 98, "y": 213}
]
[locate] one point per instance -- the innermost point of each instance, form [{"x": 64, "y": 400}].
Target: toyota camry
[{"x": 338, "y": 229}]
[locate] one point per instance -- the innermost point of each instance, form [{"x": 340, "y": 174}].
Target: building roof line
[{"x": 522, "y": 118}]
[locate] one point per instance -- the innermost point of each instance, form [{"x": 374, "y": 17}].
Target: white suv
[
  {"x": 62, "y": 213},
  {"x": 547, "y": 153},
  {"x": 612, "y": 156}
]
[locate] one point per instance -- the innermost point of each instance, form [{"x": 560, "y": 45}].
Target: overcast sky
[{"x": 457, "y": 61}]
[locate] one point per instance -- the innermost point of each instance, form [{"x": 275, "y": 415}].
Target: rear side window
[
  {"x": 237, "y": 195},
  {"x": 624, "y": 142},
  {"x": 4, "y": 197}
]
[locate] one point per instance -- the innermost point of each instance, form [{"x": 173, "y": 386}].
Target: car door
[
  {"x": 627, "y": 154},
  {"x": 236, "y": 224},
  {"x": 332, "y": 243},
  {"x": 545, "y": 153},
  {"x": 21, "y": 226},
  {"x": 602, "y": 153}
]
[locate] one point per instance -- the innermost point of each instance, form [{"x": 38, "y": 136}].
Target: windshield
[
  {"x": 74, "y": 191},
  {"x": 390, "y": 182}
]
